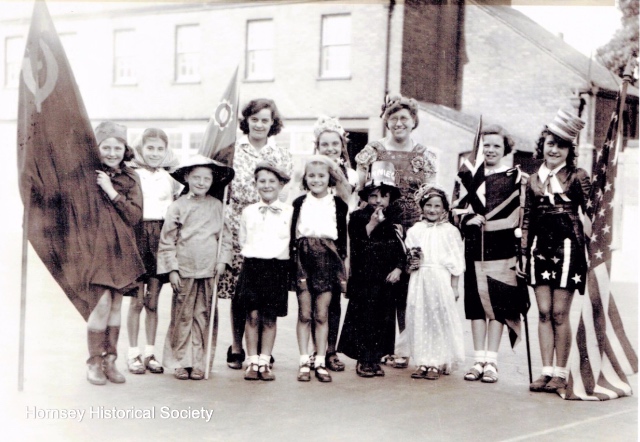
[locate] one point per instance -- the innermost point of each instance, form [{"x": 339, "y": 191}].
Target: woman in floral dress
[
  {"x": 260, "y": 123},
  {"x": 415, "y": 165}
]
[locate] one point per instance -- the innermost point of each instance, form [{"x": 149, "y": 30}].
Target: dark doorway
[{"x": 357, "y": 141}]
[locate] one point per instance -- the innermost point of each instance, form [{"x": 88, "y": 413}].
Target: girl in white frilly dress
[{"x": 434, "y": 331}]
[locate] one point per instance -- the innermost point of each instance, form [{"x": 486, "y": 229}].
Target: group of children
[{"x": 184, "y": 239}]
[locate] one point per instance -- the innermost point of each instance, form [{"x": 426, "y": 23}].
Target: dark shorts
[
  {"x": 263, "y": 285},
  {"x": 147, "y": 240}
]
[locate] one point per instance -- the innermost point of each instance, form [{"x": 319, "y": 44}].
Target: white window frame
[
  {"x": 259, "y": 55},
  {"x": 188, "y": 53},
  {"x": 335, "y": 44},
  {"x": 125, "y": 57},
  {"x": 13, "y": 56}
]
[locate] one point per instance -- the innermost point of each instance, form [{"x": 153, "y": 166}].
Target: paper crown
[
  {"x": 324, "y": 124},
  {"x": 109, "y": 129},
  {"x": 566, "y": 125}
]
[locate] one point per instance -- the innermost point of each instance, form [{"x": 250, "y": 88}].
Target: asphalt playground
[{"x": 57, "y": 402}]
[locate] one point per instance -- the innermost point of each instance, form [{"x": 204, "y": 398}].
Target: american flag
[{"x": 601, "y": 354}]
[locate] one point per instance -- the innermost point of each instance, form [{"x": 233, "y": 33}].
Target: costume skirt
[
  {"x": 147, "y": 240},
  {"x": 555, "y": 258},
  {"x": 263, "y": 286},
  {"x": 319, "y": 267}
]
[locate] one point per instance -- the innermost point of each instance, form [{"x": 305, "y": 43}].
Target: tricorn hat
[
  {"x": 222, "y": 174},
  {"x": 566, "y": 125},
  {"x": 381, "y": 173}
]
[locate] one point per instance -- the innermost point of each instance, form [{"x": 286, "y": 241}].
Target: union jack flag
[
  {"x": 601, "y": 354},
  {"x": 465, "y": 192}
]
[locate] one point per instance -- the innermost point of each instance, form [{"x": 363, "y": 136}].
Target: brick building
[{"x": 166, "y": 65}]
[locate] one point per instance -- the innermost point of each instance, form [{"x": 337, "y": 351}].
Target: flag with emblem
[
  {"x": 218, "y": 143},
  {"x": 220, "y": 136},
  {"x": 601, "y": 354},
  {"x": 71, "y": 224},
  {"x": 465, "y": 191}
]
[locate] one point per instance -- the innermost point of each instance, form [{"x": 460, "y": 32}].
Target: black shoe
[
  {"x": 235, "y": 360},
  {"x": 364, "y": 370},
  {"x": 377, "y": 370}
]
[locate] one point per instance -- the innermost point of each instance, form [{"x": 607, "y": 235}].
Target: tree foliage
[{"x": 624, "y": 43}]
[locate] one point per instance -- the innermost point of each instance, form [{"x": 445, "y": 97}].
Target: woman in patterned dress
[
  {"x": 260, "y": 123},
  {"x": 415, "y": 165}
]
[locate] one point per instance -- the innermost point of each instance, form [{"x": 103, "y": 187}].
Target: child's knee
[
  {"x": 304, "y": 316},
  {"x": 320, "y": 318},
  {"x": 253, "y": 319}
]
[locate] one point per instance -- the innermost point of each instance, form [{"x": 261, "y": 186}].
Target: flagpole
[
  {"x": 522, "y": 283},
  {"x": 214, "y": 301},
  {"x": 23, "y": 291}
]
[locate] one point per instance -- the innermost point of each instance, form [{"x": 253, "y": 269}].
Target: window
[
  {"x": 195, "y": 140},
  {"x": 335, "y": 58},
  {"x": 259, "y": 62},
  {"x": 124, "y": 57},
  {"x": 188, "y": 44},
  {"x": 13, "y": 53}
]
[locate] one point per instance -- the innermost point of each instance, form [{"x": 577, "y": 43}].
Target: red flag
[
  {"x": 601, "y": 354},
  {"x": 72, "y": 226},
  {"x": 220, "y": 137}
]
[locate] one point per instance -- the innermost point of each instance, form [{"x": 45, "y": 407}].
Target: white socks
[
  {"x": 547, "y": 370},
  {"x": 264, "y": 359},
  {"x": 304, "y": 359},
  {"x": 149, "y": 350},
  {"x": 492, "y": 356},
  {"x": 133, "y": 352},
  {"x": 253, "y": 359},
  {"x": 320, "y": 361},
  {"x": 478, "y": 356},
  {"x": 561, "y": 372}
]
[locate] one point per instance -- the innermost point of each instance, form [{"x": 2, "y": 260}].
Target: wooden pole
[
  {"x": 214, "y": 301},
  {"x": 23, "y": 292}
]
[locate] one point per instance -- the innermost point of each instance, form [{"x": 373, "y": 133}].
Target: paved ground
[{"x": 395, "y": 407}]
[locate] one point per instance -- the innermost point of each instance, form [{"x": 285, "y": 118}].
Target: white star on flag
[
  {"x": 589, "y": 204},
  {"x": 601, "y": 212},
  {"x": 607, "y": 187},
  {"x": 606, "y": 228},
  {"x": 577, "y": 278},
  {"x": 599, "y": 254},
  {"x": 555, "y": 259},
  {"x": 594, "y": 237},
  {"x": 546, "y": 275}
]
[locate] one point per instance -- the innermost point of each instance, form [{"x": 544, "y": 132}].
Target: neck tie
[{"x": 263, "y": 209}]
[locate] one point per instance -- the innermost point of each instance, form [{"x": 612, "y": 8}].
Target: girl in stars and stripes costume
[{"x": 554, "y": 240}]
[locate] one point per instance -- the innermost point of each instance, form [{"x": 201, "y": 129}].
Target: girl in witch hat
[{"x": 192, "y": 228}]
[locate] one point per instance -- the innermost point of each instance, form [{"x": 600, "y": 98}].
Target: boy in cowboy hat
[{"x": 192, "y": 228}]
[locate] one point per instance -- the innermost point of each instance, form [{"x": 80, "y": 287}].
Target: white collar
[
  {"x": 244, "y": 141},
  {"x": 500, "y": 168},
  {"x": 544, "y": 171}
]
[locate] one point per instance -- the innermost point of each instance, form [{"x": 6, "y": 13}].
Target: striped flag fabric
[{"x": 601, "y": 354}]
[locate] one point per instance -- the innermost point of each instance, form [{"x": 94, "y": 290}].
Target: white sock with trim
[{"x": 133, "y": 352}]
